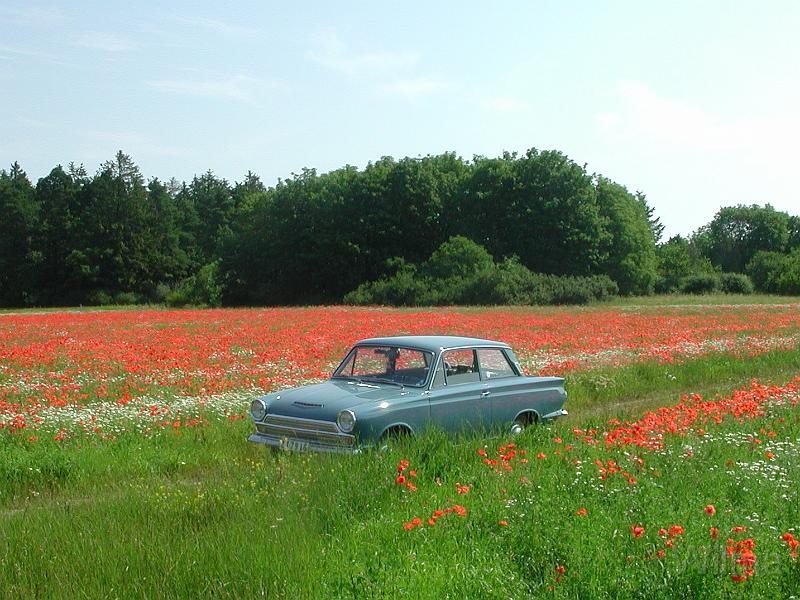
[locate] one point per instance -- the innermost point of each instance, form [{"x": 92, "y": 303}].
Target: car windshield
[{"x": 386, "y": 364}]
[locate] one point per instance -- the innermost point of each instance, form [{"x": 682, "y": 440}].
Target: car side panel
[
  {"x": 460, "y": 407},
  {"x": 512, "y": 395}
]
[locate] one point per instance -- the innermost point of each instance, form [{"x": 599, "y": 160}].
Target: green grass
[
  {"x": 656, "y": 300},
  {"x": 632, "y": 389},
  {"x": 697, "y": 299},
  {"x": 205, "y": 514}
]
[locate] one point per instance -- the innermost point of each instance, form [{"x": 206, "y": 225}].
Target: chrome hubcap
[{"x": 516, "y": 429}]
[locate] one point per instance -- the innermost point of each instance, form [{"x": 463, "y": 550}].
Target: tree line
[{"x": 535, "y": 227}]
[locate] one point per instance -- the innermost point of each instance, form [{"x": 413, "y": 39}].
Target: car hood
[{"x": 324, "y": 401}]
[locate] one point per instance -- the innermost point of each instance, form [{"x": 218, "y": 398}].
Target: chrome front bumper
[{"x": 293, "y": 445}]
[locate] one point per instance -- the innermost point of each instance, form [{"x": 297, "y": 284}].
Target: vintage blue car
[{"x": 393, "y": 386}]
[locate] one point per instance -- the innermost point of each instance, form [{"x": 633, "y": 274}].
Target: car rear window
[{"x": 494, "y": 364}]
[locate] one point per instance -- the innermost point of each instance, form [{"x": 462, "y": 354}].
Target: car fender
[{"x": 400, "y": 424}]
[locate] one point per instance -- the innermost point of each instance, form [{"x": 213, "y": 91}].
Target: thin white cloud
[
  {"x": 107, "y": 42},
  {"x": 642, "y": 112},
  {"x": 33, "y": 123},
  {"x": 644, "y": 116},
  {"x": 330, "y": 51},
  {"x": 241, "y": 88},
  {"x": 684, "y": 154},
  {"x": 414, "y": 88},
  {"x": 214, "y": 25},
  {"x": 508, "y": 104},
  {"x": 16, "y": 52},
  {"x": 32, "y": 15}
]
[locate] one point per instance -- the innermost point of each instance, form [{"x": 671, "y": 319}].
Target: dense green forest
[{"x": 531, "y": 228}]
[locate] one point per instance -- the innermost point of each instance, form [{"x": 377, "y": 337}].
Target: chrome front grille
[{"x": 324, "y": 432}]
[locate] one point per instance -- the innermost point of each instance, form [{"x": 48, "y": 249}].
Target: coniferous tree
[{"x": 19, "y": 221}]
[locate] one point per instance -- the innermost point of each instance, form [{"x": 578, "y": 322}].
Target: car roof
[{"x": 433, "y": 343}]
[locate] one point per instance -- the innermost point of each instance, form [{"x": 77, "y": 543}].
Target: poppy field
[{"x": 125, "y": 469}]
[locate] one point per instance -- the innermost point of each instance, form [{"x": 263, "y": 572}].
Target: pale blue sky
[{"x": 694, "y": 103}]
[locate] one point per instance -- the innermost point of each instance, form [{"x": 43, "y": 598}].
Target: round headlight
[
  {"x": 346, "y": 420},
  {"x": 258, "y": 409}
]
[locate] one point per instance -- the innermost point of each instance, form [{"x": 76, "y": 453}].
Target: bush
[
  {"x": 666, "y": 285},
  {"x": 765, "y": 268},
  {"x": 126, "y": 298},
  {"x": 201, "y": 289},
  {"x": 736, "y": 283},
  {"x": 776, "y": 273},
  {"x": 508, "y": 282},
  {"x": 160, "y": 293},
  {"x": 789, "y": 280},
  {"x": 707, "y": 283},
  {"x": 404, "y": 288},
  {"x": 99, "y": 298}
]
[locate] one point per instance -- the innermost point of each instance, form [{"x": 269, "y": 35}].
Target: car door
[
  {"x": 505, "y": 389},
  {"x": 458, "y": 398}
]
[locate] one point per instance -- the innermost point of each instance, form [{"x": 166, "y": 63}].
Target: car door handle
[{"x": 484, "y": 393}]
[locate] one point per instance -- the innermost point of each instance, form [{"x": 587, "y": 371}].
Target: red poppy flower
[
  {"x": 676, "y": 530},
  {"x": 710, "y": 509},
  {"x": 637, "y": 531}
]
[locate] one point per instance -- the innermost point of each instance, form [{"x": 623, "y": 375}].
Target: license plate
[{"x": 296, "y": 445}]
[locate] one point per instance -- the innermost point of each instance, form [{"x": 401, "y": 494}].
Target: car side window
[
  {"x": 460, "y": 366},
  {"x": 494, "y": 364},
  {"x": 438, "y": 377}
]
